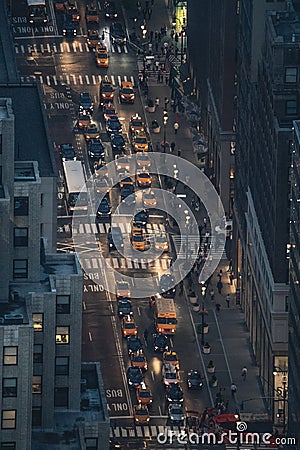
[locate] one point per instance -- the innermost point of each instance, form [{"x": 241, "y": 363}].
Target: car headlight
[{"x": 130, "y": 382}]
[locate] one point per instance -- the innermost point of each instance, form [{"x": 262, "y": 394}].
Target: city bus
[
  {"x": 75, "y": 185},
  {"x": 165, "y": 315},
  {"x": 37, "y": 12}
]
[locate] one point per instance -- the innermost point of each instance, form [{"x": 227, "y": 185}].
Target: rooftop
[
  {"x": 286, "y": 26},
  {"x": 8, "y": 66},
  {"x": 31, "y": 137},
  {"x": 14, "y": 312}
]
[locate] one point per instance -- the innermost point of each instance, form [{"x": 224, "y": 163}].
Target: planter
[
  {"x": 151, "y": 106},
  {"x": 205, "y": 328},
  {"x": 213, "y": 382},
  {"x": 196, "y": 307},
  {"x": 206, "y": 349},
  {"x": 210, "y": 367},
  {"x": 156, "y": 130},
  {"x": 193, "y": 299}
]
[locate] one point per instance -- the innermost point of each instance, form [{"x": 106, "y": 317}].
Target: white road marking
[
  {"x": 54, "y": 48},
  {"x": 90, "y": 336},
  {"x": 68, "y": 47},
  {"x": 68, "y": 79},
  {"x": 74, "y": 47},
  {"x": 80, "y": 47},
  {"x": 48, "y": 48},
  {"x": 84, "y": 306},
  {"x": 48, "y": 80},
  {"x": 87, "y": 79},
  {"x": 61, "y": 47},
  {"x": 54, "y": 80},
  {"x": 42, "y": 48},
  {"x": 119, "y": 80},
  {"x": 94, "y": 79},
  {"x": 80, "y": 79},
  {"x": 41, "y": 79}
]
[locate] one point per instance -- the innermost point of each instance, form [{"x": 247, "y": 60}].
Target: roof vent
[{"x": 13, "y": 319}]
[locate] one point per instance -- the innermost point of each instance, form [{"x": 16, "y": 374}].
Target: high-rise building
[
  {"x": 294, "y": 299},
  {"x": 267, "y": 105},
  {"x": 212, "y": 39}
]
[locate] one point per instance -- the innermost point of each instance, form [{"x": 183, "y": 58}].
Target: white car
[
  {"x": 170, "y": 374},
  {"x": 176, "y": 412}
]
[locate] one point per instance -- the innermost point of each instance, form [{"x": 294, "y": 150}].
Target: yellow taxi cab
[
  {"x": 138, "y": 242},
  {"x": 72, "y": 10},
  {"x": 93, "y": 39},
  {"x": 171, "y": 358},
  {"x": 140, "y": 143},
  {"x": 101, "y": 55},
  {"x": 161, "y": 242},
  {"x": 123, "y": 289},
  {"x": 149, "y": 200},
  {"x": 91, "y": 14},
  {"x": 129, "y": 327},
  {"x": 144, "y": 395},
  {"x": 127, "y": 92},
  {"x": 141, "y": 415},
  {"x": 144, "y": 179},
  {"x": 138, "y": 359},
  {"x": 109, "y": 111},
  {"x": 136, "y": 228},
  {"x": 136, "y": 124},
  {"x": 122, "y": 162},
  {"x": 106, "y": 92},
  {"x": 125, "y": 179},
  {"x": 91, "y": 132},
  {"x": 142, "y": 160},
  {"x": 83, "y": 120}
]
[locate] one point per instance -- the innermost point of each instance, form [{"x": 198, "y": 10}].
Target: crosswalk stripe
[
  {"x": 151, "y": 431},
  {"x": 68, "y": 79},
  {"x": 111, "y": 434},
  {"x": 124, "y": 432},
  {"x": 48, "y": 48},
  {"x": 61, "y": 45},
  {"x": 48, "y": 80},
  {"x": 125, "y": 78},
  {"x": 80, "y": 79},
  {"x": 94, "y": 228},
  {"x": 94, "y": 79},
  {"x": 132, "y": 80},
  {"x": 117, "y": 432},
  {"x": 87, "y": 79},
  {"x": 35, "y": 48},
  {"x": 74, "y": 79},
  {"x": 99, "y": 78},
  {"x": 22, "y": 49},
  {"x": 125, "y": 49},
  {"x": 119, "y": 80},
  {"x": 54, "y": 79},
  {"x": 115, "y": 263},
  {"x": 54, "y": 48},
  {"x": 41, "y": 79},
  {"x": 42, "y": 48},
  {"x": 80, "y": 47},
  {"x": 113, "y": 79},
  {"x": 74, "y": 47},
  {"x": 129, "y": 263},
  {"x": 16, "y": 50},
  {"x": 112, "y": 49},
  {"x": 139, "y": 431},
  {"x": 68, "y": 47},
  {"x": 86, "y": 47}
]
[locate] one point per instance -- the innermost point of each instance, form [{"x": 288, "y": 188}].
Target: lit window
[
  {"x": 9, "y": 387},
  {"x": 291, "y": 74},
  {"x": 37, "y": 319},
  {"x": 62, "y": 335},
  {"x": 62, "y": 304},
  {"x": 8, "y": 419},
  {"x": 10, "y": 356},
  {"x": 37, "y": 384}
]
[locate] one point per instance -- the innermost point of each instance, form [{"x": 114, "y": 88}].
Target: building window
[
  {"x": 91, "y": 443},
  {"x": 62, "y": 335},
  {"x": 9, "y": 387},
  {"x": 10, "y": 356},
  {"x": 8, "y": 419},
  {"x": 37, "y": 416},
  {"x": 61, "y": 397},
  {"x": 21, "y": 237},
  {"x": 62, "y": 304},
  {"x": 1, "y": 144},
  {"x": 291, "y": 75},
  {"x": 37, "y": 384},
  {"x": 20, "y": 268},
  {"x": 37, "y": 353},
  {"x": 37, "y": 319},
  {"x": 291, "y": 107},
  {"x": 62, "y": 365},
  {"x": 8, "y": 446},
  {"x": 21, "y": 206}
]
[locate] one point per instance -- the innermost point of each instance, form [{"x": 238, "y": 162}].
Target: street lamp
[
  {"x": 182, "y": 47},
  {"x": 165, "y": 121},
  {"x": 187, "y": 221},
  {"x": 282, "y": 393}
]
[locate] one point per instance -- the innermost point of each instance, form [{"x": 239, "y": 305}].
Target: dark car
[
  {"x": 134, "y": 377},
  {"x": 104, "y": 211},
  {"x": 69, "y": 27},
  {"x": 113, "y": 125},
  {"x": 115, "y": 238},
  {"x": 195, "y": 379},
  {"x": 124, "y": 308},
  {"x": 127, "y": 196},
  {"x": 118, "y": 143},
  {"x": 96, "y": 149},
  {"x": 111, "y": 10},
  {"x": 142, "y": 217},
  {"x": 86, "y": 102},
  {"x": 160, "y": 343},
  {"x": 117, "y": 33},
  {"x": 166, "y": 286},
  {"x": 174, "y": 393},
  {"x": 67, "y": 152},
  {"x": 134, "y": 345}
]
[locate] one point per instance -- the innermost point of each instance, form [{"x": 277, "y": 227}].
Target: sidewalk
[{"x": 227, "y": 336}]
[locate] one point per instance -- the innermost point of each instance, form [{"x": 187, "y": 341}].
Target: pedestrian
[
  {"x": 149, "y": 13},
  {"x": 151, "y": 36},
  {"x": 230, "y": 266},
  {"x": 205, "y": 222},
  {"x": 166, "y": 103},
  {"x": 231, "y": 277},
  {"x": 212, "y": 295},
  {"x": 156, "y": 47},
  {"x": 172, "y": 147},
  {"x": 152, "y": 2},
  {"x": 176, "y": 126},
  {"x": 176, "y": 37},
  {"x": 146, "y": 335},
  {"x": 227, "y": 298},
  {"x": 244, "y": 373},
  {"x": 156, "y": 102},
  {"x": 172, "y": 33},
  {"x": 179, "y": 153},
  {"x": 218, "y": 307},
  {"x": 167, "y": 79},
  {"x": 158, "y": 77},
  {"x": 161, "y": 77},
  {"x": 147, "y": 4},
  {"x": 159, "y": 36},
  {"x": 181, "y": 288},
  {"x": 219, "y": 286},
  {"x": 150, "y": 48},
  {"x": 233, "y": 389}
]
